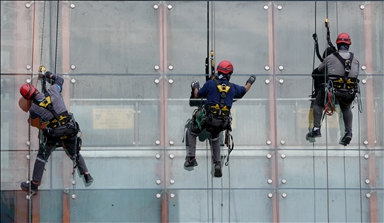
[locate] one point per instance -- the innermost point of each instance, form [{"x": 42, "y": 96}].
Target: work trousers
[
  {"x": 194, "y": 131},
  {"x": 345, "y": 100},
  {"x": 45, "y": 150}
]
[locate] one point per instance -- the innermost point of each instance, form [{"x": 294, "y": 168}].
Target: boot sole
[
  {"x": 218, "y": 173},
  {"x": 346, "y": 141}
]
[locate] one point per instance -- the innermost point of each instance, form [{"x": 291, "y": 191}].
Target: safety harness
[
  {"x": 344, "y": 83},
  {"x": 337, "y": 83},
  {"x": 58, "y": 120}
]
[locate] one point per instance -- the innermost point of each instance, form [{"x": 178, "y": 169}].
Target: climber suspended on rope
[
  {"x": 215, "y": 114},
  {"x": 341, "y": 70},
  {"x": 57, "y": 125}
]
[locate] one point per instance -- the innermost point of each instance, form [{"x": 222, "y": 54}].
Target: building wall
[{"x": 128, "y": 66}]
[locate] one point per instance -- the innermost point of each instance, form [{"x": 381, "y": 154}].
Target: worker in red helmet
[
  {"x": 341, "y": 71},
  {"x": 58, "y": 125},
  {"x": 219, "y": 95}
]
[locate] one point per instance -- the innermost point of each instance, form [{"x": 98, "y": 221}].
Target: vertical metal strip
[
  {"x": 67, "y": 169},
  {"x": 35, "y": 200},
  {"x": 272, "y": 110},
  {"x": 370, "y": 112},
  {"x": 163, "y": 108}
]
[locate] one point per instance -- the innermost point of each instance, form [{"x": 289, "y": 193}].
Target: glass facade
[{"x": 128, "y": 66}]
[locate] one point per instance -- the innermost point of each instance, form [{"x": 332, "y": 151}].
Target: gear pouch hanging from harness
[
  {"x": 218, "y": 117},
  {"x": 61, "y": 126},
  {"x": 69, "y": 129}
]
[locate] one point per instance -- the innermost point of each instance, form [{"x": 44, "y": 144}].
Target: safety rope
[{"x": 329, "y": 99}]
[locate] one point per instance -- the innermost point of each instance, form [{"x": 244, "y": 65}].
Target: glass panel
[
  {"x": 16, "y": 35},
  {"x": 240, "y": 173},
  {"x": 220, "y": 206},
  {"x": 117, "y": 206},
  {"x": 119, "y": 117},
  {"x": 294, "y": 43},
  {"x": 114, "y": 37},
  {"x": 241, "y": 35}
]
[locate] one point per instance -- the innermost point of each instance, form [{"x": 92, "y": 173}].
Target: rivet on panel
[
  {"x": 269, "y": 142},
  {"x": 156, "y": 6},
  {"x": 158, "y": 182},
  {"x": 170, "y": 81},
  {"x": 362, "y": 7},
  {"x": 270, "y": 195},
  {"x": 281, "y": 67},
  {"x": 157, "y": 142},
  {"x": 73, "y": 81},
  {"x": 73, "y": 67},
  {"x": 27, "y": 156},
  {"x": 157, "y": 67},
  {"x": 171, "y": 156},
  {"x": 73, "y": 196},
  {"x": 170, "y": 67},
  {"x": 367, "y": 181},
  {"x": 279, "y": 7},
  {"x": 28, "y": 81},
  {"x": 282, "y": 142},
  {"x": 269, "y": 156},
  {"x": 172, "y": 195},
  {"x": 265, "y": 7},
  {"x": 283, "y": 156},
  {"x": 66, "y": 190},
  {"x": 267, "y": 81},
  {"x": 73, "y": 182},
  {"x": 366, "y": 156},
  {"x": 72, "y": 6},
  {"x": 284, "y": 195},
  {"x": 368, "y": 195},
  {"x": 365, "y": 142},
  {"x": 27, "y": 197},
  {"x": 364, "y": 81},
  {"x": 158, "y": 195},
  {"x": 266, "y": 67},
  {"x": 363, "y": 67},
  {"x": 269, "y": 181},
  {"x": 158, "y": 156},
  {"x": 171, "y": 142},
  {"x": 28, "y": 143},
  {"x": 283, "y": 181},
  {"x": 157, "y": 81},
  {"x": 28, "y": 67},
  {"x": 28, "y": 5},
  {"x": 169, "y": 7},
  {"x": 281, "y": 81},
  {"x": 171, "y": 181}
]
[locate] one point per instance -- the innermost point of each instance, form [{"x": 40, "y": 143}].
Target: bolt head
[{"x": 265, "y": 7}]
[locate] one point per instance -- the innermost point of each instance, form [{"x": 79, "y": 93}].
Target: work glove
[
  {"x": 48, "y": 74},
  {"x": 251, "y": 79},
  {"x": 194, "y": 85}
]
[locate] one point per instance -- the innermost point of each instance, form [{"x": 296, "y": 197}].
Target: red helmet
[
  {"x": 343, "y": 38},
  {"x": 27, "y": 91},
  {"x": 225, "y": 67}
]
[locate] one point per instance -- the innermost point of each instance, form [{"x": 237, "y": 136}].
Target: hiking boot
[
  {"x": 313, "y": 134},
  {"x": 218, "y": 172},
  {"x": 346, "y": 139},
  {"x": 190, "y": 162},
  {"x": 88, "y": 178},
  {"x": 25, "y": 187}
]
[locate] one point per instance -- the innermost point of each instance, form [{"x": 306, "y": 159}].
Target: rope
[{"x": 329, "y": 100}]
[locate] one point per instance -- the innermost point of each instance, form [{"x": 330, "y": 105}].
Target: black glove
[
  {"x": 251, "y": 79},
  {"x": 194, "y": 85},
  {"x": 48, "y": 74}
]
